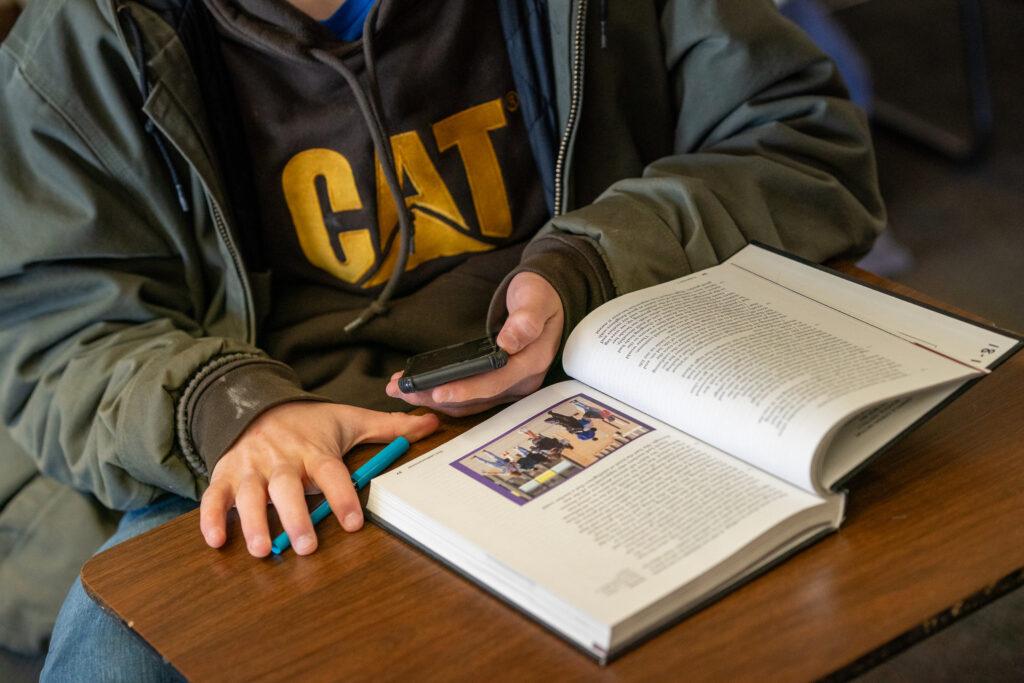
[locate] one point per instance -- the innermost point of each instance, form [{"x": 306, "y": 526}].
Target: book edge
[
  {"x": 408, "y": 540},
  {"x": 614, "y": 652},
  {"x": 902, "y": 297}
]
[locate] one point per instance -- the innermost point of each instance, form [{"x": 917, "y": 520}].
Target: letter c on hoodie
[{"x": 357, "y": 255}]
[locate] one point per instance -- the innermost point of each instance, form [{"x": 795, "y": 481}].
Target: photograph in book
[{"x": 550, "y": 448}]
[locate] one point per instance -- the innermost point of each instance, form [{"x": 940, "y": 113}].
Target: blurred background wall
[
  {"x": 961, "y": 222},
  {"x": 942, "y": 80}
]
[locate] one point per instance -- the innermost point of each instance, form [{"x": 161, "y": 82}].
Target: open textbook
[{"x": 705, "y": 436}]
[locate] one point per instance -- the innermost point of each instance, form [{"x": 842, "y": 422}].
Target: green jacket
[{"x": 699, "y": 126}]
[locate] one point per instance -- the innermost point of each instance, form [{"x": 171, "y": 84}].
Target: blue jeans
[{"x": 89, "y": 643}]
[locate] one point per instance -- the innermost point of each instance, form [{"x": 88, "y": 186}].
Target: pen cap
[{"x": 380, "y": 462}]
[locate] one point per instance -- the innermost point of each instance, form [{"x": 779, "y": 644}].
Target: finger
[
  {"x": 521, "y": 329},
  {"x": 468, "y": 407},
  {"x": 213, "y": 511},
  {"x": 416, "y": 398},
  {"x": 424, "y": 399},
  {"x": 378, "y": 427},
  {"x": 471, "y": 407},
  {"x": 251, "y": 501},
  {"x": 464, "y": 409},
  {"x": 289, "y": 498},
  {"x": 531, "y": 302},
  {"x": 333, "y": 478},
  {"x": 522, "y": 375},
  {"x": 531, "y": 362},
  {"x": 393, "y": 391},
  {"x": 528, "y": 366}
]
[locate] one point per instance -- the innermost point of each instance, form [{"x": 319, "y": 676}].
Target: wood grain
[{"x": 937, "y": 519}]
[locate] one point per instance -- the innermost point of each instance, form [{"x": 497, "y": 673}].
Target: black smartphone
[{"x": 434, "y": 368}]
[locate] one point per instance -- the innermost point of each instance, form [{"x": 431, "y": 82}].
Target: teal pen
[{"x": 360, "y": 478}]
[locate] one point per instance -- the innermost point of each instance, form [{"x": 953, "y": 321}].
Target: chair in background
[{"x": 952, "y": 146}]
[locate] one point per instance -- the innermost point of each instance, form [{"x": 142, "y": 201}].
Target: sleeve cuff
[
  {"x": 573, "y": 267},
  {"x": 227, "y": 397}
]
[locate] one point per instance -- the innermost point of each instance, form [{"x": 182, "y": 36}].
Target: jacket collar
[{"x": 174, "y": 104}]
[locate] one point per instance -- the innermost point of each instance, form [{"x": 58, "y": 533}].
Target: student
[
  {"x": 226, "y": 224},
  {"x": 587, "y": 434},
  {"x": 593, "y": 413},
  {"x": 570, "y": 423},
  {"x": 500, "y": 465},
  {"x": 550, "y": 445},
  {"x": 530, "y": 458}
]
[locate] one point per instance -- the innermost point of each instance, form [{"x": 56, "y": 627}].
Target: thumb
[
  {"x": 376, "y": 427},
  {"x": 531, "y": 302}
]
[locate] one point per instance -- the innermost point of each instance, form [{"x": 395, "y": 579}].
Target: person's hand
[
  {"x": 287, "y": 452},
  {"x": 530, "y": 336}
]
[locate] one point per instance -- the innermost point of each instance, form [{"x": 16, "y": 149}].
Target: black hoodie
[{"x": 327, "y": 222}]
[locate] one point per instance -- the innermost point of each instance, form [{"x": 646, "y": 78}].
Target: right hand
[
  {"x": 287, "y": 452},
  {"x": 531, "y": 336}
]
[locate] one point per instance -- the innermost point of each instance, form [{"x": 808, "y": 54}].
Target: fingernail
[
  {"x": 304, "y": 544},
  {"x": 259, "y": 546},
  {"x": 351, "y": 521}
]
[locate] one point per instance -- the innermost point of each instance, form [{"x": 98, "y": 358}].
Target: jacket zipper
[
  {"x": 576, "y": 92},
  {"x": 249, "y": 316},
  {"x": 236, "y": 260},
  {"x": 218, "y": 219}
]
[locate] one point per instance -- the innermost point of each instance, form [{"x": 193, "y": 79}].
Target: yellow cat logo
[{"x": 440, "y": 229}]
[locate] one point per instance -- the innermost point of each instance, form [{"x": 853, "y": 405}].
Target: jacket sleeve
[
  {"x": 767, "y": 147},
  {"x": 102, "y": 337}
]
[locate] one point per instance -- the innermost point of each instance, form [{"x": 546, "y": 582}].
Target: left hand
[{"x": 531, "y": 336}]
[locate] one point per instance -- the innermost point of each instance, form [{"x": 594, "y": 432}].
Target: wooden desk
[{"x": 935, "y": 528}]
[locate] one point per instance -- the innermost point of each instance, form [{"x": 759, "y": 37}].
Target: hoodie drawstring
[
  {"x": 368, "y": 101},
  {"x": 139, "y": 55},
  {"x": 370, "y": 106}
]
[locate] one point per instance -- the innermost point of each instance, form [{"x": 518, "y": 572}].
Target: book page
[
  {"x": 594, "y": 506},
  {"x": 759, "y": 371},
  {"x": 871, "y": 430},
  {"x": 874, "y": 428},
  {"x": 959, "y": 339}
]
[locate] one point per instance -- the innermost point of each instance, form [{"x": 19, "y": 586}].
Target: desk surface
[{"x": 935, "y": 528}]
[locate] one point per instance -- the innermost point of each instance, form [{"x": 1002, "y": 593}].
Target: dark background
[{"x": 962, "y": 224}]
